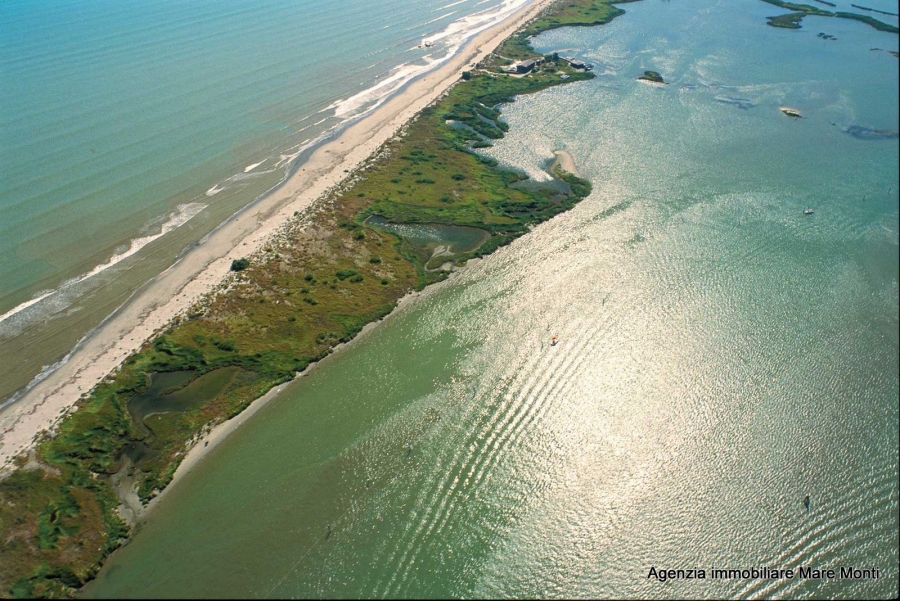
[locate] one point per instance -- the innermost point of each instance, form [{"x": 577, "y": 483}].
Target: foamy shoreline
[{"x": 201, "y": 270}]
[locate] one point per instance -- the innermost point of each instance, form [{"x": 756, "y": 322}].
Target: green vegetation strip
[
  {"x": 315, "y": 286},
  {"x": 874, "y": 10},
  {"x": 792, "y": 20}
]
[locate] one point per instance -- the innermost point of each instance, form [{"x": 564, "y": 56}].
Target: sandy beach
[
  {"x": 565, "y": 162},
  {"x": 202, "y": 269}
]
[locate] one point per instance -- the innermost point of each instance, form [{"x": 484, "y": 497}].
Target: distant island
[
  {"x": 792, "y": 20},
  {"x": 652, "y": 77}
]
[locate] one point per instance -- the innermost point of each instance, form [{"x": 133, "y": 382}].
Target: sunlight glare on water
[{"x": 720, "y": 356}]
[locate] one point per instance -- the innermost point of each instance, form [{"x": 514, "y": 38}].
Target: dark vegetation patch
[
  {"x": 240, "y": 264},
  {"x": 874, "y": 10},
  {"x": 652, "y": 76},
  {"x": 792, "y": 20}
]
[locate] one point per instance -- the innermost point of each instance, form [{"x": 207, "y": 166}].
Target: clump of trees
[{"x": 240, "y": 264}]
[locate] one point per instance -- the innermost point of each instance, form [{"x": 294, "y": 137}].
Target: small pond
[
  {"x": 439, "y": 239},
  {"x": 168, "y": 393}
]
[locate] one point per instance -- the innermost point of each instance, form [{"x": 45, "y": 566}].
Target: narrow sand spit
[
  {"x": 565, "y": 161},
  {"x": 179, "y": 287}
]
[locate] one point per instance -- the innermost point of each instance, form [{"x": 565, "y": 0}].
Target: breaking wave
[
  {"x": 179, "y": 217},
  {"x": 449, "y": 41}
]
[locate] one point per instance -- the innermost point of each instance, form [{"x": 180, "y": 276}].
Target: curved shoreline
[
  {"x": 211, "y": 439},
  {"x": 220, "y": 432},
  {"x": 41, "y": 409},
  {"x": 565, "y": 162}
]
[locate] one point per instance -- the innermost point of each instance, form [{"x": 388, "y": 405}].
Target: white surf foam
[
  {"x": 465, "y": 28},
  {"x": 379, "y": 92},
  {"x": 45, "y": 372},
  {"x": 247, "y": 174},
  {"x": 452, "y": 12},
  {"x": 179, "y": 217},
  {"x": 25, "y": 305},
  {"x": 451, "y": 4},
  {"x": 451, "y": 38},
  {"x": 293, "y": 153}
]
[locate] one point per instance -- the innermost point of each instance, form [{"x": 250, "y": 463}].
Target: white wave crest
[
  {"x": 451, "y": 39},
  {"x": 293, "y": 153},
  {"x": 381, "y": 90},
  {"x": 181, "y": 216},
  {"x": 25, "y": 305},
  {"x": 465, "y": 28},
  {"x": 175, "y": 219},
  {"x": 435, "y": 20},
  {"x": 451, "y": 4}
]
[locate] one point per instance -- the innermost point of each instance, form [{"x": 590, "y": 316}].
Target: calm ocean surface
[
  {"x": 129, "y": 130},
  {"x": 722, "y": 355}
]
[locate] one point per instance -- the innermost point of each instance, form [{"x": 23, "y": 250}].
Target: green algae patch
[{"x": 316, "y": 285}]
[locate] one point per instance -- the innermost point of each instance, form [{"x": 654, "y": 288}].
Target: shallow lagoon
[{"x": 721, "y": 356}]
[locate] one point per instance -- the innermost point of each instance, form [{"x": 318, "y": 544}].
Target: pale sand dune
[
  {"x": 179, "y": 287},
  {"x": 565, "y": 162}
]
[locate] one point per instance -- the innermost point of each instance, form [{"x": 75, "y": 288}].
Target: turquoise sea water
[
  {"x": 124, "y": 121},
  {"x": 721, "y": 356}
]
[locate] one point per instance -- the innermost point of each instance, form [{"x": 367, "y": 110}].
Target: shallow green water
[{"x": 721, "y": 356}]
